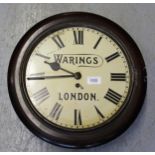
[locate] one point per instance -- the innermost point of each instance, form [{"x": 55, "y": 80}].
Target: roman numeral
[
  {"x": 113, "y": 96},
  {"x": 97, "y": 43},
  {"x": 56, "y": 111},
  {"x": 78, "y": 37},
  {"x": 77, "y": 117},
  {"x": 112, "y": 57},
  {"x": 41, "y": 95},
  {"x": 58, "y": 41},
  {"x": 99, "y": 112},
  {"x": 43, "y": 56},
  {"x": 118, "y": 77}
]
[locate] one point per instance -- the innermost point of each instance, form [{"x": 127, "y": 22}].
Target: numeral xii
[{"x": 78, "y": 37}]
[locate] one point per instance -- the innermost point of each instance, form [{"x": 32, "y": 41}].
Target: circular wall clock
[{"x": 77, "y": 80}]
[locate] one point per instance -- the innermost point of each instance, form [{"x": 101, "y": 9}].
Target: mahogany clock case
[{"x": 68, "y": 137}]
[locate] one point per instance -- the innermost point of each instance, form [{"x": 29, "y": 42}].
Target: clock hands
[
  {"x": 50, "y": 77},
  {"x": 56, "y": 66}
]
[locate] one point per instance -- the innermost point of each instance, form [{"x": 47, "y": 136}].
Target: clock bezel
[{"x": 61, "y": 136}]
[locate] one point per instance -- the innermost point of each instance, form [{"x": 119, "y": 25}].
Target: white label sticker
[{"x": 94, "y": 80}]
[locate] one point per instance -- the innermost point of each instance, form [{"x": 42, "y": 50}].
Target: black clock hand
[
  {"x": 56, "y": 66},
  {"x": 50, "y": 77}
]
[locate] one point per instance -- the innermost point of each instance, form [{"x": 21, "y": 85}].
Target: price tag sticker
[{"x": 94, "y": 80}]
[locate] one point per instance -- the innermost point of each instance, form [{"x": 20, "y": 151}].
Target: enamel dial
[{"x": 77, "y": 78}]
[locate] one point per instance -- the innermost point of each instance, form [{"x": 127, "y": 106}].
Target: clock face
[
  {"x": 77, "y": 80},
  {"x": 77, "y": 77}
]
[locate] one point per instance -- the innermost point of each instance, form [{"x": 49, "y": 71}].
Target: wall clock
[{"x": 77, "y": 80}]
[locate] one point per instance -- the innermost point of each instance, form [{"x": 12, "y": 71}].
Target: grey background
[{"x": 137, "y": 19}]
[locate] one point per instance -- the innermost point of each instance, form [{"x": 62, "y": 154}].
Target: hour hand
[{"x": 56, "y": 66}]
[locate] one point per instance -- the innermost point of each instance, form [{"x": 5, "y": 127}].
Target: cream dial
[{"x": 77, "y": 77}]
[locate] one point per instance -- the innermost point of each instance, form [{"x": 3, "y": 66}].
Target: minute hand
[{"x": 50, "y": 77}]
